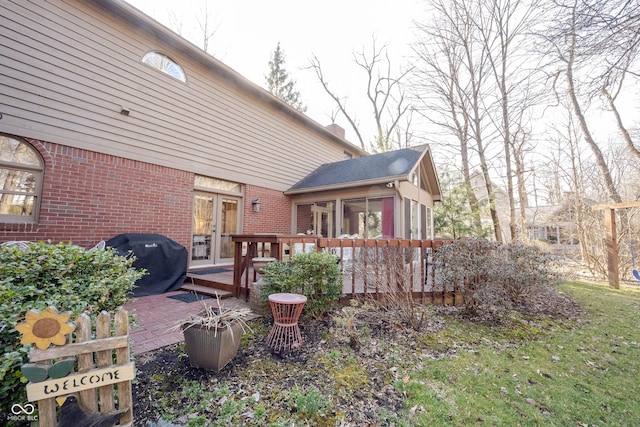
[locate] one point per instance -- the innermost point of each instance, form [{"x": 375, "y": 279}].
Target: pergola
[{"x": 611, "y": 238}]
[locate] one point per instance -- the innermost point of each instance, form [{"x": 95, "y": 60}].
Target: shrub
[
  {"x": 315, "y": 275},
  {"x": 489, "y": 274},
  {"x": 525, "y": 275},
  {"x": 65, "y": 276},
  {"x": 392, "y": 274},
  {"x": 464, "y": 266}
]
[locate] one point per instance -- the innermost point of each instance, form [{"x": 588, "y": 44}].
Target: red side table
[{"x": 286, "y": 309}]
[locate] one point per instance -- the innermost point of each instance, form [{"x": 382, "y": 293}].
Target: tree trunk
[
  {"x": 595, "y": 149},
  {"x": 623, "y": 130}
]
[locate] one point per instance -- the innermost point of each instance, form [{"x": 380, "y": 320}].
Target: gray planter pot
[{"x": 211, "y": 348}]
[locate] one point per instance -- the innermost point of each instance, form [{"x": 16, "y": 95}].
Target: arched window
[
  {"x": 21, "y": 170},
  {"x": 165, "y": 64}
]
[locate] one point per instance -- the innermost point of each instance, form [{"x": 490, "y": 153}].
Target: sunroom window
[
  {"x": 316, "y": 218},
  {"x": 369, "y": 218},
  {"x": 21, "y": 170},
  {"x": 165, "y": 64}
]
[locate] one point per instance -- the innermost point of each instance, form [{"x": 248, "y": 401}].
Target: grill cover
[{"x": 164, "y": 260}]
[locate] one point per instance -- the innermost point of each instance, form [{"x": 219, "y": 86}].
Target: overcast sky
[{"x": 247, "y": 32}]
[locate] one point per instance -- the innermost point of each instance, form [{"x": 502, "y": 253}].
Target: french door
[
  {"x": 215, "y": 218},
  {"x": 323, "y": 219}
]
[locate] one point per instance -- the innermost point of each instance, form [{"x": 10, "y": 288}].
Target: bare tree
[
  {"x": 620, "y": 38},
  {"x": 441, "y": 100},
  {"x": 174, "y": 22},
  {"x": 386, "y": 95},
  {"x": 611, "y": 98},
  {"x": 461, "y": 59},
  {"x": 503, "y": 26},
  {"x": 207, "y": 30},
  {"x": 583, "y": 43},
  {"x": 520, "y": 143},
  {"x": 568, "y": 165}
]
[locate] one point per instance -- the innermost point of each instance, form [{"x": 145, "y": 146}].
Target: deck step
[{"x": 206, "y": 290}]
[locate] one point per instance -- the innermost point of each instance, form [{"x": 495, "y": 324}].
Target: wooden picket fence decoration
[{"x": 94, "y": 382}]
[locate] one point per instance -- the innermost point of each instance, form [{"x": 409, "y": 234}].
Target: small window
[
  {"x": 21, "y": 170},
  {"x": 419, "y": 179},
  {"x": 165, "y": 64},
  {"x": 206, "y": 183}
]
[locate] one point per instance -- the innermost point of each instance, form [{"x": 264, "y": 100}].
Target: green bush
[
  {"x": 65, "y": 276},
  {"x": 315, "y": 275}
]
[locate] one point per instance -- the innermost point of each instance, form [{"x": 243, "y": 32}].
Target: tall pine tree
[{"x": 280, "y": 84}]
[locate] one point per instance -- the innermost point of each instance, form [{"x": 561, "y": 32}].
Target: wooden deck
[
  {"x": 210, "y": 284},
  {"x": 222, "y": 284},
  {"x": 353, "y": 283},
  {"x": 374, "y": 266}
]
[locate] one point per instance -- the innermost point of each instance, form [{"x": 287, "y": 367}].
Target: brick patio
[{"x": 158, "y": 315}]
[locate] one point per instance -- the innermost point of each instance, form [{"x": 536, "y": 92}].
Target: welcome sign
[
  {"x": 93, "y": 365},
  {"x": 81, "y": 381}
]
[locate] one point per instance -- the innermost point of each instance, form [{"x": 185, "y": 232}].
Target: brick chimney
[{"x": 337, "y": 130}]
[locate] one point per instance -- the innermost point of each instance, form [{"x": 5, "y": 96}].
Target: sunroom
[{"x": 381, "y": 196}]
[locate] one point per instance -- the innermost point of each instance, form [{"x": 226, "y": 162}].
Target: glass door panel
[
  {"x": 353, "y": 214},
  {"x": 202, "y": 242},
  {"x": 216, "y": 218},
  {"x": 323, "y": 219},
  {"x": 228, "y": 225}
]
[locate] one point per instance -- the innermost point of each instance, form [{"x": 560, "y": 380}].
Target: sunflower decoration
[{"x": 45, "y": 328}]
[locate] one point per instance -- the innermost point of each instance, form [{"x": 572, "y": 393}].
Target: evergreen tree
[
  {"x": 280, "y": 84},
  {"x": 453, "y": 217}
]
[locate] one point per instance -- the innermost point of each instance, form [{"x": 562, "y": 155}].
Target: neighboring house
[
  {"x": 111, "y": 123},
  {"x": 538, "y": 224},
  {"x": 553, "y": 224},
  {"x": 557, "y": 224}
]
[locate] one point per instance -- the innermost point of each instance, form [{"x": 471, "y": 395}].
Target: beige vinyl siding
[{"x": 68, "y": 67}]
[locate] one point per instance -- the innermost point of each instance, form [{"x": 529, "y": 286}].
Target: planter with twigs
[{"x": 212, "y": 336}]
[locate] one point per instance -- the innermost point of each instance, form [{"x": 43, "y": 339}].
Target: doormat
[
  {"x": 189, "y": 297},
  {"x": 211, "y": 271}
]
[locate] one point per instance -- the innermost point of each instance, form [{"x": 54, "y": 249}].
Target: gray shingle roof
[{"x": 392, "y": 164}]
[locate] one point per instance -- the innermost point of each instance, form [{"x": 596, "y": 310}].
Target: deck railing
[
  {"x": 369, "y": 266},
  {"x": 379, "y": 266}
]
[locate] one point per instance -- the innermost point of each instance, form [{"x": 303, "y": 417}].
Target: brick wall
[
  {"x": 304, "y": 220},
  {"x": 88, "y": 197},
  {"x": 274, "y": 215}
]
